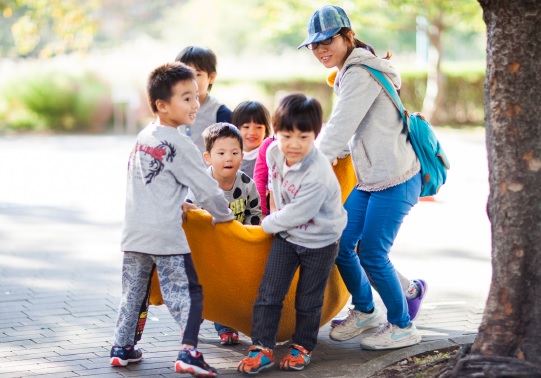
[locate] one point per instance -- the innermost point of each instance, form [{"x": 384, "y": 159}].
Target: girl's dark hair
[
  {"x": 162, "y": 80},
  {"x": 297, "y": 111},
  {"x": 202, "y": 59},
  {"x": 218, "y": 131},
  {"x": 357, "y": 43},
  {"x": 252, "y": 111}
]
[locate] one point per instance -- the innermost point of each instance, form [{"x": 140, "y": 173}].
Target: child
[
  {"x": 223, "y": 155},
  {"x": 203, "y": 61},
  {"x": 307, "y": 226},
  {"x": 253, "y": 121},
  {"x": 162, "y": 166},
  {"x": 261, "y": 177}
]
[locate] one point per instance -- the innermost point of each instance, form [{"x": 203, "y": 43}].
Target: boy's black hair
[
  {"x": 296, "y": 111},
  {"x": 252, "y": 111},
  {"x": 202, "y": 59},
  {"x": 162, "y": 80},
  {"x": 218, "y": 131}
]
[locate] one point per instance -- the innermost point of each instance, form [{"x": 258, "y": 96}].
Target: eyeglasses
[{"x": 328, "y": 41}]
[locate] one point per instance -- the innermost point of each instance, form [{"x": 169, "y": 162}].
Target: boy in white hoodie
[{"x": 307, "y": 225}]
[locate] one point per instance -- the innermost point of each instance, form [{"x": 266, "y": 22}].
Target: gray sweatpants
[{"x": 180, "y": 289}]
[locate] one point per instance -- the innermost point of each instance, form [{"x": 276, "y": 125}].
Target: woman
[{"x": 387, "y": 171}]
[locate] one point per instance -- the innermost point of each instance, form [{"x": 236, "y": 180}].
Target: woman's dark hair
[
  {"x": 357, "y": 43},
  {"x": 297, "y": 111},
  {"x": 251, "y": 111},
  {"x": 219, "y": 131},
  {"x": 202, "y": 59},
  {"x": 162, "y": 80}
]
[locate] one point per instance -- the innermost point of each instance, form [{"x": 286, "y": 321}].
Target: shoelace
[
  {"x": 350, "y": 318},
  {"x": 383, "y": 329}
]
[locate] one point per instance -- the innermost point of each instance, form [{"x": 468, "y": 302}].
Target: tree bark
[
  {"x": 511, "y": 325},
  {"x": 434, "y": 101}
]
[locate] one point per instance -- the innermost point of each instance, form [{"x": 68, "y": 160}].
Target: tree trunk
[
  {"x": 509, "y": 339},
  {"x": 434, "y": 101}
]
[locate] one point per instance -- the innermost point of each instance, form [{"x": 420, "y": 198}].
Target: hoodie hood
[{"x": 362, "y": 56}]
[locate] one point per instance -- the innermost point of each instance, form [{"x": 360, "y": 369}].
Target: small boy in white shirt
[{"x": 223, "y": 154}]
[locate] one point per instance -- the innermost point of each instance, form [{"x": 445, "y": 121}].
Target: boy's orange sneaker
[
  {"x": 296, "y": 359},
  {"x": 258, "y": 359}
]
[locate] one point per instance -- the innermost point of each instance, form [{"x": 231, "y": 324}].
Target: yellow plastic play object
[{"x": 230, "y": 259}]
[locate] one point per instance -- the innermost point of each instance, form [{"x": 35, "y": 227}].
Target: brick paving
[{"x": 61, "y": 206}]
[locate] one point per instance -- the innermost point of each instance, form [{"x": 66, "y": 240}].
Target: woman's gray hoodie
[
  {"x": 367, "y": 121},
  {"x": 307, "y": 198}
]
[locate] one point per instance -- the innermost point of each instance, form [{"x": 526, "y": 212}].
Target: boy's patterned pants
[{"x": 180, "y": 289}]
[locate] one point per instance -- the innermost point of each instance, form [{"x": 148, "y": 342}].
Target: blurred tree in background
[
  {"x": 435, "y": 18},
  {"x": 256, "y": 43},
  {"x": 410, "y": 18},
  {"x": 43, "y": 28}
]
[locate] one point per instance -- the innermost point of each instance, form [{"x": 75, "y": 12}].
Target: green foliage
[
  {"x": 464, "y": 94},
  {"x": 48, "y": 27},
  {"x": 56, "y": 101},
  {"x": 385, "y": 24},
  {"x": 314, "y": 88}
]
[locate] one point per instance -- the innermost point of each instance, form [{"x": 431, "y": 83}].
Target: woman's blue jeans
[{"x": 374, "y": 219}]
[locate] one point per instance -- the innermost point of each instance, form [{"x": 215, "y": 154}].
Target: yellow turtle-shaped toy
[{"x": 230, "y": 259}]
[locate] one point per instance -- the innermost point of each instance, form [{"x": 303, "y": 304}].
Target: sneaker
[
  {"x": 122, "y": 356},
  {"x": 356, "y": 323},
  {"x": 414, "y": 304},
  {"x": 258, "y": 359},
  {"x": 390, "y": 336},
  {"x": 192, "y": 362},
  {"x": 229, "y": 338},
  {"x": 337, "y": 321},
  {"x": 296, "y": 359}
]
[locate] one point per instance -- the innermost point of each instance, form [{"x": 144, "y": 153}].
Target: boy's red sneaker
[
  {"x": 296, "y": 359},
  {"x": 259, "y": 358},
  {"x": 229, "y": 338}
]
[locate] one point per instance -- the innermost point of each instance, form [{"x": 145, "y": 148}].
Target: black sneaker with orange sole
[
  {"x": 122, "y": 356},
  {"x": 192, "y": 362}
]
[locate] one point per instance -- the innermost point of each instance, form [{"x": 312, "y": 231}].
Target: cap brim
[{"x": 318, "y": 37}]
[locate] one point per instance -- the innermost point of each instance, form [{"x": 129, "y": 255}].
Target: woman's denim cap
[{"x": 324, "y": 23}]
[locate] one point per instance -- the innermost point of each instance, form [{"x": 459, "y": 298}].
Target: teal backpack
[{"x": 434, "y": 162}]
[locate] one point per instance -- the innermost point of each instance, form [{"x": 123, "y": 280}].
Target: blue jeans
[
  {"x": 220, "y": 328},
  {"x": 374, "y": 218}
]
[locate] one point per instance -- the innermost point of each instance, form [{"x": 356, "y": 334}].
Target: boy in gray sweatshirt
[
  {"x": 307, "y": 225},
  {"x": 163, "y": 165}
]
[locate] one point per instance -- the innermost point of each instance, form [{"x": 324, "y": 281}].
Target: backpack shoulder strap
[{"x": 389, "y": 88}]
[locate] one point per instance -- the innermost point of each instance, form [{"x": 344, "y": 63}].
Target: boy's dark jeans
[{"x": 315, "y": 267}]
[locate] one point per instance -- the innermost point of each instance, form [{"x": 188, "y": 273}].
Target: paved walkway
[{"x": 61, "y": 207}]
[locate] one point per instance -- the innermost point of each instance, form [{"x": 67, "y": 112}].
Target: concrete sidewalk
[{"x": 61, "y": 208}]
